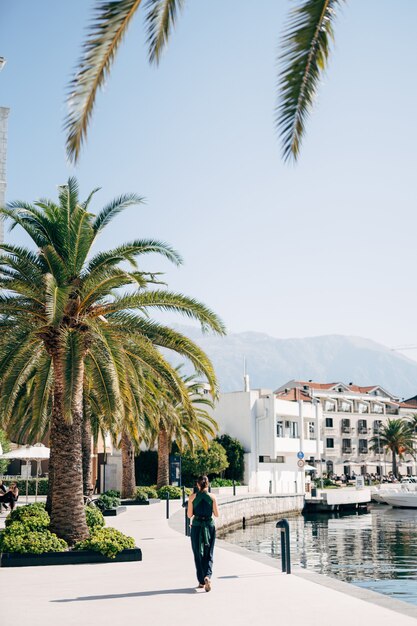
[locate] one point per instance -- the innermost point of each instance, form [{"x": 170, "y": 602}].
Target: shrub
[
  {"x": 112, "y": 493},
  {"x": 106, "y": 501},
  {"x": 107, "y": 541},
  {"x": 42, "y": 486},
  {"x": 144, "y": 493},
  {"x": 201, "y": 461},
  {"x": 223, "y": 482},
  {"x": 235, "y": 456},
  {"x": 174, "y": 492},
  {"x": 16, "y": 538},
  {"x": 94, "y": 518},
  {"x": 32, "y": 516}
]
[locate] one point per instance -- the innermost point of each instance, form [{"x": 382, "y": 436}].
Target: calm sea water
[{"x": 376, "y": 550}]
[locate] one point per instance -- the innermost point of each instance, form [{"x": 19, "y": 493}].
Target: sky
[{"x": 321, "y": 247}]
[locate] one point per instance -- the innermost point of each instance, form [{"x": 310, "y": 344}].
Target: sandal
[{"x": 207, "y": 584}]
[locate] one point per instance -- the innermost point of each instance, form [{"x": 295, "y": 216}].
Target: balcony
[
  {"x": 346, "y": 430},
  {"x": 347, "y": 450},
  {"x": 363, "y": 450},
  {"x": 362, "y": 430}
]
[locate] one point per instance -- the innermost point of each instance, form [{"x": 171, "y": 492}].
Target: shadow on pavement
[{"x": 134, "y": 594}]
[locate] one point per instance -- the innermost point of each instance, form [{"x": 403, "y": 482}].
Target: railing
[{"x": 346, "y": 450}]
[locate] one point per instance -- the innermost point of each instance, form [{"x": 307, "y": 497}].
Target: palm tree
[
  {"x": 62, "y": 315},
  {"x": 396, "y": 437},
  {"x": 306, "y": 46}
]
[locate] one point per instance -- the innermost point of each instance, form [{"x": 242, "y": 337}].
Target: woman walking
[{"x": 201, "y": 508}]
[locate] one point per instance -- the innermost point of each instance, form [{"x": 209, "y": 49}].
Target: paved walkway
[{"x": 160, "y": 590}]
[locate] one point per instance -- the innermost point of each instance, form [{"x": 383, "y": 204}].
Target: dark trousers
[
  {"x": 203, "y": 564},
  {"x": 8, "y": 497}
]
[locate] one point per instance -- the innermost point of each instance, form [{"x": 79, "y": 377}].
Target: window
[
  {"x": 377, "y": 426},
  {"x": 329, "y": 406},
  {"x": 280, "y": 459},
  {"x": 363, "y": 446},
  {"x": 294, "y": 430},
  {"x": 362, "y": 427},
  {"x": 346, "y": 446},
  {"x": 345, "y": 406},
  {"x": 362, "y": 407},
  {"x": 329, "y": 422},
  {"x": 311, "y": 430},
  {"x": 409, "y": 471},
  {"x": 345, "y": 426},
  {"x": 280, "y": 429},
  {"x": 329, "y": 467},
  {"x": 330, "y": 443},
  {"x": 264, "y": 459},
  {"x": 377, "y": 408}
]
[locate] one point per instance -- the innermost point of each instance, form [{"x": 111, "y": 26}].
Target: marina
[{"x": 375, "y": 550}]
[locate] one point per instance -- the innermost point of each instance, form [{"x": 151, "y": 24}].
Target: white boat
[{"x": 402, "y": 500}]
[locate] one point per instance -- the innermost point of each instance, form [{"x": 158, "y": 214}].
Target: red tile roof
[{"x": 293, "y": 395}]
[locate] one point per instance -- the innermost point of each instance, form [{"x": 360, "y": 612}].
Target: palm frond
[
  {"x": 115, "y": 207},
  {"x": 306, "y": 47},
  {"x": 110, "y": 24},
  {"x": 161, "y": 16}
]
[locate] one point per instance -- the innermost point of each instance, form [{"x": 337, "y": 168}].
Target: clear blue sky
[{"x": 327, "y": 246}]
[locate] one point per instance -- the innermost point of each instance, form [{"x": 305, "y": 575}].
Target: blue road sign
[{"x": 300, "y": 455}]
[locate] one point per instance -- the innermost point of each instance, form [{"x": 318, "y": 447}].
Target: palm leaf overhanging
[
  {"x": 76, "y": 327},
  {"x": 306, "y": 48}
]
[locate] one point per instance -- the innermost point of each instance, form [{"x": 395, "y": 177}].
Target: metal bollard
[
  {"x": 186, "y": 520},
  {"x": 234, "y": 488},
  {"x": 167, "y": 504},
  {"x": 270, "y": 486},
  {"x": 285, "y": 545},
  {"x": 183, "y": 495}
]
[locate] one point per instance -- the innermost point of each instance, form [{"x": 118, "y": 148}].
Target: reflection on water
[{"x": 376, "y": 550}]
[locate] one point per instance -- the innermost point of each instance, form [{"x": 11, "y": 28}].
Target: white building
[{"x": 273, "y": 429}]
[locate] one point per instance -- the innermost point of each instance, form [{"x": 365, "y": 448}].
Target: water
[{"x": 375, "y": 550}]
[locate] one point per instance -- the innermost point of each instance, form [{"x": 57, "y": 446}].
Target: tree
[
  {"x": 397, "y": 438},
  {"x": 235, "y": 456},
  {"x": 63, "y": 316},
  {"x": 306, "y": 46},
  {"x": 212, "y": 460}
]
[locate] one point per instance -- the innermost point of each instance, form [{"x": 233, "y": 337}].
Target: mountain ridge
[{"x": 272, "y": 361}]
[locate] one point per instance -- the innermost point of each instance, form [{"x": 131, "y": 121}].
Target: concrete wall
[{"x": 256, "y": 508}]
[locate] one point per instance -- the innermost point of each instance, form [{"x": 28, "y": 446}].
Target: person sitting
[{"x": 10, "y": 496}]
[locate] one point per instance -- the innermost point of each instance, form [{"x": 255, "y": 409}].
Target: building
[
  {"x": 274, "y": 429},
  {"x": 351, "y": 416},
  {"x": 328, "y": 425}
]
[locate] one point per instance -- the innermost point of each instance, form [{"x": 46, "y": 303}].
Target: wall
[{"x": 256, "y": 508}]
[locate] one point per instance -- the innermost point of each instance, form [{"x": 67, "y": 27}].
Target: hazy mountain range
[{"x": 271, "y": 362}]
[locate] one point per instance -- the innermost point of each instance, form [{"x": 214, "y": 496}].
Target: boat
[{"x": 402, "y": 500}]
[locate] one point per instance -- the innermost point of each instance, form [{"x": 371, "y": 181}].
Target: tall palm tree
[
  {"x": 397, "y": 438},
  {"x": 306, "y": 45},
  {"x": 62, "y": 314}
]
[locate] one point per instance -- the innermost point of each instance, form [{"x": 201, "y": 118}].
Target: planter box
[
  {"x": 140, "y": 502},
  {"x": 11, "y": 559},
  {"x": 114, "y": 512}
]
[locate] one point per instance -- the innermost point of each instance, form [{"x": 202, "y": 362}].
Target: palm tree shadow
[{"x": 134, "y": 594}]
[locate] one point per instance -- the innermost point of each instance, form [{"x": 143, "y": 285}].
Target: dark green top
[{"x": 203, "y": 511}]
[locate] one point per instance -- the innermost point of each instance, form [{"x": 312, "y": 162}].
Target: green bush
[
  {"x": 223, "y": 482},
  {"x": 32, "y": 516},
  {"x": 201, "y": 461},
  {"x": 94, "y": 518},
  {"x": 174, "y": 492},
  {"x": 107, "y": 541},
  {"x": 106, "y": 501},
  {"x": 42, "y": 486},
  {"x": 235, "y": 456},
  {"x": 145, "y": 493},
  {"x": 16, "y": 538},
  {"x": 112, "y": 493}
]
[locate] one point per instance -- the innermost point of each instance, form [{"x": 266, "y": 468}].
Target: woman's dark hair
[{"x": 202, "y": 482}]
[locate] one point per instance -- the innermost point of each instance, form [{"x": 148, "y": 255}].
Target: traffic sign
[
  {"x": 300, "y": 463},
  {"x": 300, "y": 455}
]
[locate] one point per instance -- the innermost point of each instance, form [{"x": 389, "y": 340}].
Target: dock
[{"x": 338, "y": 500}]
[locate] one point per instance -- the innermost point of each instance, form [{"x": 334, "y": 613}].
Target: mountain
[{"x": 271, "y": 362}]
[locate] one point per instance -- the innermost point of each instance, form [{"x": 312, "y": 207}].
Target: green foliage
[
  {"x": 18, "y": 537},
  {"x": 235, "y": 456},
  {"x": 33, "y": 516},
  {"x": 145, "y": 493},
  {"x": 94, "y": 518},
  {"x": 107, "y": 541},
  {"x": 174, "y": 492},
  {"x": 223, "y": 482},
  {"x": 106, "y": 501},
  {"x": 4, "y": 463},
  {"x": 146, "y": 467},
  {"x": 201, "y": 461},
  {"x": 42, "y": 486},
  {"x": 112, "y": 493}
]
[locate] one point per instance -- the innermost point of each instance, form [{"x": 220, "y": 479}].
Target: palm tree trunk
[
  {"x": 86, "y": 453},
  {"x": 67, "y": 512},
  {"x": 394, "y": 464},
  {"x": 50, "y": 472},
  {"x": 128, "y": 467},
  {"x": 163, "y": 459}
]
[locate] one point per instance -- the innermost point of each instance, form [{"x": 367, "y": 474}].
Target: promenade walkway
[{"x": 161, "y": 589}]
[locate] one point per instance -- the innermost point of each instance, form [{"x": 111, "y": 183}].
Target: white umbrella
[
  {"x": 37, "y": 453},
  {"x": 309, "y": 468}
]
